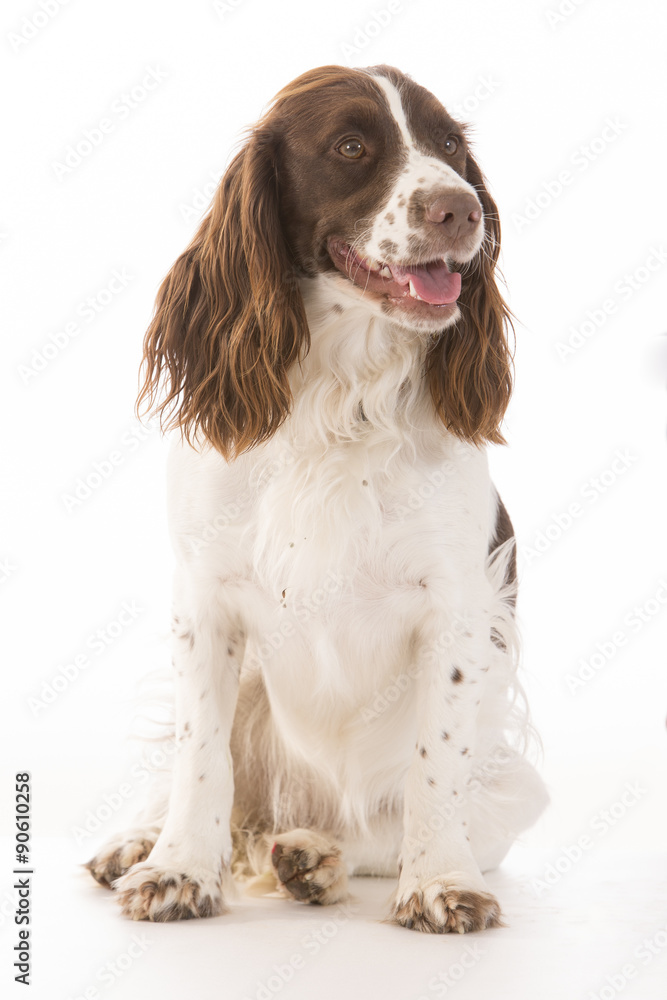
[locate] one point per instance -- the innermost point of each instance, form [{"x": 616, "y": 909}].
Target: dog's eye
[
  {"x": 451, "y": 145},
  {"x": 352, "y": 148}
]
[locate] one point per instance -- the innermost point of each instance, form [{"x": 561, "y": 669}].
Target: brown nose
[{"x": 458, "y": 211}]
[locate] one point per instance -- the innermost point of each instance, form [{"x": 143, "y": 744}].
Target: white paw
[
  {"x": 445, "y": 904},
  {"x": 152, "y": 892}
]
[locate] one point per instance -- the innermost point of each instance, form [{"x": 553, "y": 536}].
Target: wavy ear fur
[
  {"x": 469, "y": 367},
  {"x": 229, "y": 319}
]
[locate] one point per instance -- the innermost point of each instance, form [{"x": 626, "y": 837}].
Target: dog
[{"x": 333, "y": 349}]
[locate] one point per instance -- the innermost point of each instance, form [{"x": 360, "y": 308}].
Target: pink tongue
[{"x": 433, "y": 282}]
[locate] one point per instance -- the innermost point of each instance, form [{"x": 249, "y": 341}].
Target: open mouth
[{"x": 428, "y": 286}]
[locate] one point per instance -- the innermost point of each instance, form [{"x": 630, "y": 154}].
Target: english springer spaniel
[{"x": 332, "y": 348}]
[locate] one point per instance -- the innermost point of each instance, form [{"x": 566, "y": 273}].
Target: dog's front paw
[
  {"x": 443, "y": 905},
  {"x": 149, "y": 892}
]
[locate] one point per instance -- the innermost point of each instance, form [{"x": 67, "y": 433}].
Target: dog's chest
[
  {"x": 360, "y": 521},
  {"x": 349, "y": 555},
  {"x": 334, "y": 560}
]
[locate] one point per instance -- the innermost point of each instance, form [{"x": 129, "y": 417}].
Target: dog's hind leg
[
  {"x": 309, "y": 866},
  {"x": 120, "y": 852}
]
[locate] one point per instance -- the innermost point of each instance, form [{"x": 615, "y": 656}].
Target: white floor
[{"x": 600, "y": 930}]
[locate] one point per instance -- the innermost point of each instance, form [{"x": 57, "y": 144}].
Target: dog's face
[
  {"x": 375, "y": 194},
  {"x": 360, "y": 181}
]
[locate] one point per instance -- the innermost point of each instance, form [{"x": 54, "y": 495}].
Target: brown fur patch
[
  {"x": 417, "y": 208},
  {"x": 388, "y": 248},
  {"x": 505, "y": 530},
  {"x": 417, "y": 249}
]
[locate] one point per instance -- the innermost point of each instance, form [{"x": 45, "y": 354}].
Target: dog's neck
[
  {"x": 361, "y": 426},
  {"x": 363, "y": 375}
]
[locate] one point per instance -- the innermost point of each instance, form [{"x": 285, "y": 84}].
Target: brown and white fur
[{"x": 344, "y": 650}]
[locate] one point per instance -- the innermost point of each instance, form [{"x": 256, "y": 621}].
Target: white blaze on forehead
[
  {"x": 421, "y": 172},
  {"x": 416, "y": 158},
  {"x": 396, "y": 108}
]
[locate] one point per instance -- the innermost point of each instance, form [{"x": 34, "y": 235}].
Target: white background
[{"x": 540, "y": 89}]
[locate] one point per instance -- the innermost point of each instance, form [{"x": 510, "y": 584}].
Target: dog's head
[{"x": 360, "y": 179}]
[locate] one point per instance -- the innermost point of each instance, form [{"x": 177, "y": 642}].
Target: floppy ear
[
  {"x": 470, "y": 366},
  {"x": 229, "y": 319}
]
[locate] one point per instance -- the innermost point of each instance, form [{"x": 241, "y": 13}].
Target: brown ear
[
  {"x": 229, "y": 320},
  {"x": 470, "y": 366}
]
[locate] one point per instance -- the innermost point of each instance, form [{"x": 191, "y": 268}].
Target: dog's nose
[{"x": 459, "y": 212}]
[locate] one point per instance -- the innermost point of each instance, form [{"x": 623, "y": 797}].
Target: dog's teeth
[
  {"x": 385, "y": 272},
  {"x": 372, "y": 264},
  {"x": 413, "y": 293}
]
